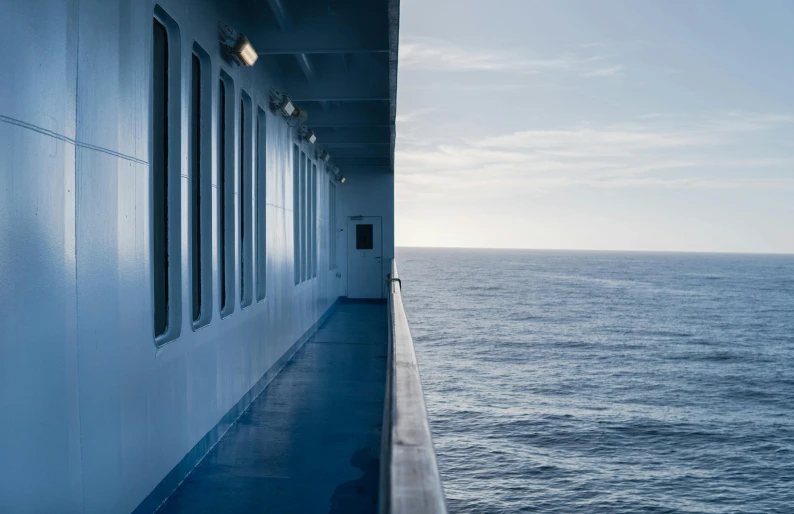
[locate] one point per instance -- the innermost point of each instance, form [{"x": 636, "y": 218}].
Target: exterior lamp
[
  {"x": 286, "y": 106},
  {"x": 237, "y": 46},
  {"x": 325, "y": 156},
  {"x": 342, "y": 179},
  {"x": 310, "y": 136},
  {"x": 244, "y": 51},
  {"x": 288, "y": 109}
]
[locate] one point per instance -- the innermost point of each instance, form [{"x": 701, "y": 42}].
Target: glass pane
[{"x": 363, "y": 237}]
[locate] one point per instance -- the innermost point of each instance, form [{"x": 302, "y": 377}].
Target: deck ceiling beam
[
  {"x": 342, "y": 161},
  {"x": 350, "y": 125},
  {"x": 317, "y": 32},
  {"x": 281, "y": 14},
  {"x": 354, "y": 144},
  {"x": 284, "y": 20},
  {"x": 348, "y": 166},
  {"x": 346, "y": 114},
  {"x": 320, "y": 97},
  {"x": 306, "y": 66},
  {"x": 324, "y": 80},
  {"x": 351, "y": 134},
  {"x": 343, "y": 53},
  {"x": 356, "y": 152}
]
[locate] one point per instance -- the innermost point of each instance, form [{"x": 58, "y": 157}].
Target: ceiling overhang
[{"x": 338, "y": 60}]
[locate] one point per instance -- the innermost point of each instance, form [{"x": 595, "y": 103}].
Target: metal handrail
[{"x": 409, "y": 478}]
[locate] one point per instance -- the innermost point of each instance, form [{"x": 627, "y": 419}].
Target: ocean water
[{"x": 568, "y": 382}]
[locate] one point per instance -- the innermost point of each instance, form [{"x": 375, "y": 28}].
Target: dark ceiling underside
[{"x": 338, "y": 60}]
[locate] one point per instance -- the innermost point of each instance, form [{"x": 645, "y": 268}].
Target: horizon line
[{"x": 708, "y": 252}]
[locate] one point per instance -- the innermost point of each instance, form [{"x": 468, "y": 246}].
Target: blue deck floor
[{"x": 310, "y": 442}]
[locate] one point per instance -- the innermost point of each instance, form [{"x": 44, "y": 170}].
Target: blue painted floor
[{"x": 310, "y": 442}]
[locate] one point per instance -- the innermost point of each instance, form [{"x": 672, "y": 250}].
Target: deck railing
[{"x": 409, "y": 478}]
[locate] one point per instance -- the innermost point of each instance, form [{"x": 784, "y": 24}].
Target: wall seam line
[{"x": 67, "y": 139}]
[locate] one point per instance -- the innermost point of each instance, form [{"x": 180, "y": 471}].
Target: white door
[{"x": 364, "y": 267}]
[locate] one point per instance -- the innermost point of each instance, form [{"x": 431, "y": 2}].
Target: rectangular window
[
  {"x": 160, "y": 177},
  {"x": 195, "y": 184},
  {"x": 296, "y": 207},
  {"x": 242, "y": 202},
  {"x": 245, "y": 199},
  {"x": 226, "y": 130},
  {"x": 261, "y": 205},
  {"x": 200, "y": 187},
  {"x": 222, "y": 192},
  {"x": 364, "y": 237},
  {"x": 314, "y": 220},
  {"x": 165, "y": 168},
  {"x": 331, "y": 225},
  {"x": 304, "y": 216}
]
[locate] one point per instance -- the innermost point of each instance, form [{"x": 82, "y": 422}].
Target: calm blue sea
[{"x": 568, "y": 382}]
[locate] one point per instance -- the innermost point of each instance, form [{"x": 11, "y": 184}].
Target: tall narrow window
[
  {"x": 296, "y": 207},
  {"x": 331, "y": 225},
  {"x": 200, "y": 187},
  {"x": 226, "y": 210},
  {"x": 261, "y": 205},
  {"x": 160, "y": 177},
  {"x": 195, "y": 184},
  {"x": 246, "y": 198},
  {"x": 243, "y": 190},
  {"x": 314, "y": 220},
  {"x": 222, "y": 192},
  {"x": 305, "y": 215},
  {"x": 164, "y": 166}
]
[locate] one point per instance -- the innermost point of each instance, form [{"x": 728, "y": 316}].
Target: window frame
[
  {"x": 205, "y": 104},
  {"x": 331, "y": 225},
  {"x": 227, "y": 128},
  {"x": 260, "y": 170},
  {"x": 172, "y": 173},
  {"x": 245, "y": 199},
  {"x": 296, "y": 221}
]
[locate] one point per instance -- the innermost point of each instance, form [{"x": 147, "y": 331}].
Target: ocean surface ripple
[{"x": 566, "y": 382}]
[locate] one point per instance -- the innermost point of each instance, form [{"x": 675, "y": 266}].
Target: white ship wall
[{"x": 95, "y": 415}]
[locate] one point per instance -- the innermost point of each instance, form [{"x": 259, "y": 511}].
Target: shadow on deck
[{"x": 310, "y": 443}]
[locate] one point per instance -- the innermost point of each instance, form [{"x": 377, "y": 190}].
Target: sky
[{"x": 602, "y": 125}]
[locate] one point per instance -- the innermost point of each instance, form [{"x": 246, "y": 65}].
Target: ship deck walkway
[{"x": 310, "y": 443}]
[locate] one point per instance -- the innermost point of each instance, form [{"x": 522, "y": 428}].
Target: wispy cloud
[
  {"x": 431, "y": 54},
  {"x": 588, "y": 45},
  {"x": 413, "y": 116},
  {"x": 691, "y": 153},
  {"x": 603, "y": 72}
]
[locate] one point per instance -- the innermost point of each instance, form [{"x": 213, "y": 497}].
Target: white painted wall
[
  {"x": 366, "y": 192},
  {"x": 94, "y": 414}
]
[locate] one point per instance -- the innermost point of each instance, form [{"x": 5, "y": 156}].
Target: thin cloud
[
  {"x": 431, "y": 54},
  {"x": 603, "y": 72},
  {"x": 588, "y": 45},
  {"x": 693, "y": 153},
  {"x": 413, "y": 116}
]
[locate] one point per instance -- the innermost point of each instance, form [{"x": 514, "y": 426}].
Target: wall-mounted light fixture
[
  {"x": 237, "y": 46},
  {"x": 287, "y": 108},
  {"x": 310, "y": 136},
  {"x": 337, "y": 174},
  {"x": 325, "y": 156},
  {"x": 244, "y": 51}
]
